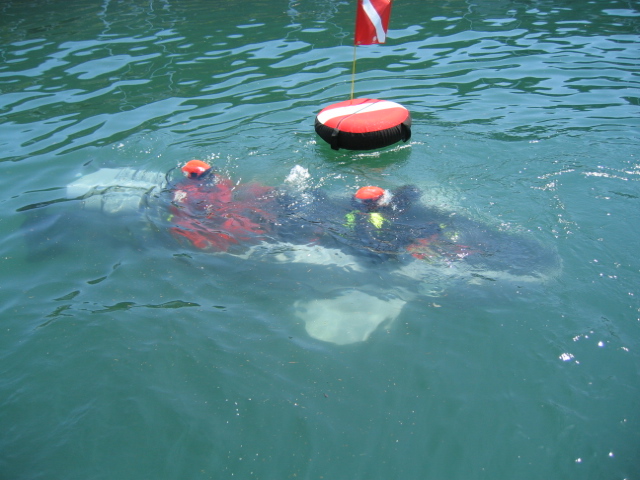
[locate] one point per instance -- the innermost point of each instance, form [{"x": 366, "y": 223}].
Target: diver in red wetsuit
[{"x": 213, "y": 214}]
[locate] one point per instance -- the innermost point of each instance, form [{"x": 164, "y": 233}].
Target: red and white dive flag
[{"x": 372, "y": 21}]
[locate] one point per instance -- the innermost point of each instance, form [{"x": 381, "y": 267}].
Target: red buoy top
[{"x": 363, "y": 115}]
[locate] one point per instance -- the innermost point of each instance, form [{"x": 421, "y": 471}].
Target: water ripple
[
  {"x": 161, "y": 361},
  {"x": 519, "y": 81}
]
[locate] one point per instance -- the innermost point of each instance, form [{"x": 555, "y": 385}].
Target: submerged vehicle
[{"x": 365, "y": 255}]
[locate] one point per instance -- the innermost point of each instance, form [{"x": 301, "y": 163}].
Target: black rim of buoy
[{"x": 363, "y": 124}]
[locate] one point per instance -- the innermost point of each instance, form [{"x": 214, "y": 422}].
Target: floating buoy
[{"x": 363, "y": 124}]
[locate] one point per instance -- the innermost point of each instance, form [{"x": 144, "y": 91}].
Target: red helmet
[
  {"x": 196, "y": 168},
  {"x": 369, "y": 193}
]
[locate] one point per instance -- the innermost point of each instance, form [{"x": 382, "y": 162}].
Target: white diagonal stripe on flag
[{"x": 376, "y": 21}]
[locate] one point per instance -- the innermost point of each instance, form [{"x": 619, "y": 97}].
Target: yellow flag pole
[{"x": 353, "y": 72}]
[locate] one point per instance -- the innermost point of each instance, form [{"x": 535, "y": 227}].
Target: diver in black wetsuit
[
  {"x": 380, "y": 225},
  {"x": 387, "y": 223},
  {"x": 395, "y": 225},
  {"x": 374, "y": 224}
]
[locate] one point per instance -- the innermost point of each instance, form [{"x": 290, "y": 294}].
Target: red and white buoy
[{"x": 363, "y": 124}]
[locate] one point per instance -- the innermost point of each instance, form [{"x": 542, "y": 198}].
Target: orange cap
[
  {"x": 195, "y": 168},
  {"x": 369, "y": 193}
]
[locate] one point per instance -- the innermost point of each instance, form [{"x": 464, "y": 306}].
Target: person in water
[
  {"x": 375, "y": 223},
  {"x": 396, "y": 224},
  {"x": 211, "y": 213},
  {"x": 391, "y": 223}
]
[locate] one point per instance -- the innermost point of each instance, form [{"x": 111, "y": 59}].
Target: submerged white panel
[{"x": 351, "y": 317}]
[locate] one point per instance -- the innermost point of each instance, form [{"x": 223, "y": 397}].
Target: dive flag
[{"x": 372, "y": 21}]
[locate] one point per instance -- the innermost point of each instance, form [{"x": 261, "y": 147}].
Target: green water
[{"x": 123, "y": 357}]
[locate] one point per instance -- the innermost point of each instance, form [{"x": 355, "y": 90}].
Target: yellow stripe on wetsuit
[{"x": 376, "y": 219}]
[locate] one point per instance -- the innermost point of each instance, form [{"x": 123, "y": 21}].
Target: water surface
[{"x": 125, "y": 358}]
